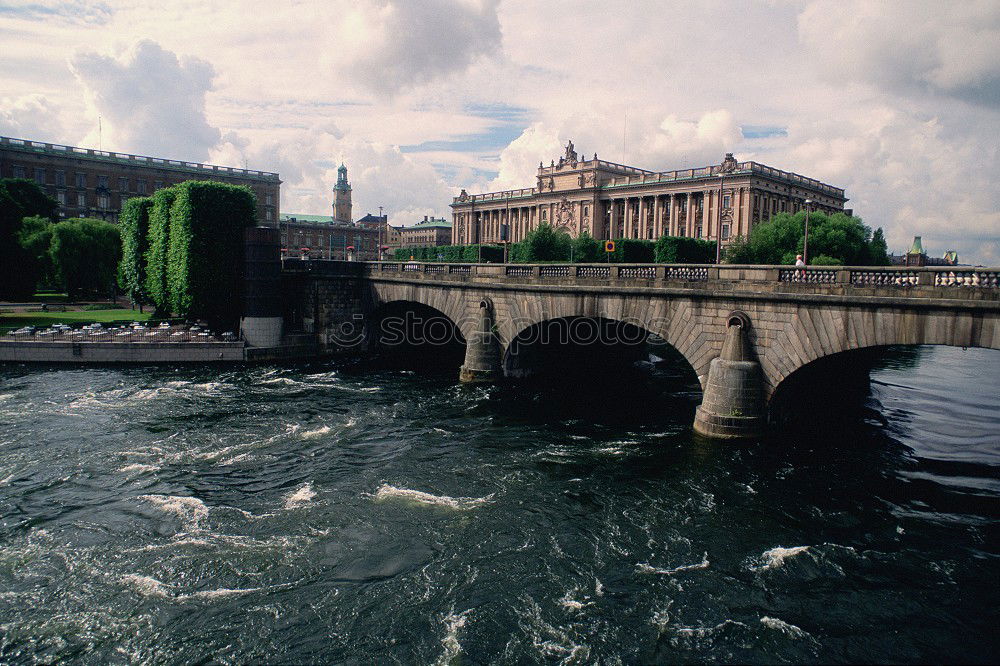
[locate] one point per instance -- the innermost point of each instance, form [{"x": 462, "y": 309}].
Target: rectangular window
[
  {"x": 81, "y": 180},
  {"x": 60, "y": 179},
  {"x": 140, "y": 186},
  {"x": 123, "y": 184},
  {"x": 103, "y": 202},
  {"x": 267, "y": 214},
  {"x": 698, "y": 231},
  {"x": 102, "y": 181},
  {"x": 19, "y": 172},
  {"x": 158, "y": 185},
  {"x": 81, "y": 199},
  {"x": 269, "y": 199},
  {"x": 61, "y": 197},
  {"x": 725, "y": 232},
  {"x": 39, "y": 175},
  {"x": 726, "y": 201}
]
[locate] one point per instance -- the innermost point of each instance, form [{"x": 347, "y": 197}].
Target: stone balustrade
[{"x": 858, "y": 276}]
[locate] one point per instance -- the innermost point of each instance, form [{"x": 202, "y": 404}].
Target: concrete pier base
[
  {"x": 482, "y": 350},
  {"x": 733, "y": 405},
  {"x": 262, "y": 331}
]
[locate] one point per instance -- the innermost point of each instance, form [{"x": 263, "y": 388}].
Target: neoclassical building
[{"x": 611, "y": 200}]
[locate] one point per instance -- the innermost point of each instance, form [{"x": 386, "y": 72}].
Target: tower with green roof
[{"x": 342, "y": 196}]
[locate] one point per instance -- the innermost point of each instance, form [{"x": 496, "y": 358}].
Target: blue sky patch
[{"x": 763, "y": 131}]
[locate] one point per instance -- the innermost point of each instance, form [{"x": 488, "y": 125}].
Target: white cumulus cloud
[{"x": 150, "y": 100}]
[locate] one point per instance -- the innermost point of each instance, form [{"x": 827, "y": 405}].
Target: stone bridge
[{"x": 743, "y": 329}]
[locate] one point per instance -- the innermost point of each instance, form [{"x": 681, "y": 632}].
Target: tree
[
  {"x": 586, "y": 249},
  {"x": 205, "y": 256},
  {"x": 838, "y": 238},
  {"x": 20, "y": 198},
  {"x": 35, "y": 237},
  {"x": 85, "y": 254},
  {"x": 544, "y": 243},
  {"x": 133, "y": 222}
]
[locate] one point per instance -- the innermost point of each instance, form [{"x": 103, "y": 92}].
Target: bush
[
  {"x": 205, "y": 257},
  {"x": 158, "y": 246},
  {"x": 587, "y": 249},
  {"x": 133, "y": 222},
  {"x": 825, "y": 260},
  {"x": 683, "y": 250}
]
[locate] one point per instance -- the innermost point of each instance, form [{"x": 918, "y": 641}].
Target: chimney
[{"x": 425, "y": 218}]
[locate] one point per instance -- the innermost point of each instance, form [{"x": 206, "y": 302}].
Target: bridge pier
[
  {"x": 482, "y": 350},
  {"x": 733, "y": 406}
]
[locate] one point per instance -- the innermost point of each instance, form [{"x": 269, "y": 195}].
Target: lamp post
[
  {"x": 718, "y": 226},
  {"x": 378, "y": 253},
  {"x": 805, "y": 240}
]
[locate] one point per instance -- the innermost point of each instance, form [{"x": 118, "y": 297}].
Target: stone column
[
  {"x": 482, "y": 350},
  {"x": 706, "y": 199},
  {"x": 641, "y": 230},
  {"x": 689, "y": 216},
  {"x": 733, "y": 403}
]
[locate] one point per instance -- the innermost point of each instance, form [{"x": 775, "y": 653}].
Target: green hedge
[
  {"x": 158, "y": 246},
  {"x": 450, "y": 253},
  {"x": 133, "y": 223},
  {"x": 684, "y": 250},
  {"x": 205, "y": 257},
  {"x": 544, "y": 244}
]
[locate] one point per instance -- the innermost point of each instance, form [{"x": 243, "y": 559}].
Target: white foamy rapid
[
  {"x": 139, "y": 467},
  {"x": 300, "y": 497},
  {"x": 387, "y": 492},
  {"x": 191, "y": 509},
  {"x": 452, "y": 648},
  {"x": 783, "y": 627},
  {"x": 645, "y": 568},
  {"x": 775, "y": 557},
  {"x": 317, "y": 432},
  {"x": 148, "y": 586}
]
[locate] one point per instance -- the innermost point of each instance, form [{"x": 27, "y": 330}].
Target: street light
[
  {"x": 805, "y": 241},
  {"x": 379, "y": 249}
]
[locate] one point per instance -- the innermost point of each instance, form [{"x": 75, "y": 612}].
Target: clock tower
[{"x": 342, "y": 197}]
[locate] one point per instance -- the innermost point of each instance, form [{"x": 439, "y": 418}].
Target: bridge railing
[{"x": 858, "y": 276}]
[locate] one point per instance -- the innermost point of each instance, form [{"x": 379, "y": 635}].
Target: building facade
[
  {"x": 427, "y": 233},
  {"x": 609, "y": 201},
  {"x": 322, "y": 237},
  {"x": 94, "y": 183}
]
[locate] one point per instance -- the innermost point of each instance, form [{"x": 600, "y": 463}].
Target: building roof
[
  {"x": 430, "y": 224},
  {"x": 300, "y": 217},
  {"x": 206, "y": 170}
]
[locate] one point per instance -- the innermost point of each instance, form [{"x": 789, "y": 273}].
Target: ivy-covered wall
[
  {"x": 158, "y": 246},
  {"x": 204, "y": 274}
]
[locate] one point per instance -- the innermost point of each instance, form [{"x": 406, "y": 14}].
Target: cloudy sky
[{"x": 896, "y": 102}]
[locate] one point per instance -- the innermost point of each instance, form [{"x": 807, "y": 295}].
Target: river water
[{"x": 336, "y": 512}]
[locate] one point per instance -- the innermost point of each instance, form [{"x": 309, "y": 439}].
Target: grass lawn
[
  {"x": 19, "y": 319},
  {"x": 50, "y": 297}
]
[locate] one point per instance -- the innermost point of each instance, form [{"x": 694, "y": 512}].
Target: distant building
[
  {"x": 95, "y": 183},
  {"x": 391, "y": 238},
  {"x": 916, "y": 256},
  {"x": 322, "y": 237},
  {"x": 430, "y": 232},
  {"x": 609, "y": 200}
]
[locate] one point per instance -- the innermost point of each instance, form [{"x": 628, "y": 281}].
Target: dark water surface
[{"x": 337, "y": 513}]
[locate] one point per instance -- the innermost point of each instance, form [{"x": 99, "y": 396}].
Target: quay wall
[{"x": 120, "y": 352}]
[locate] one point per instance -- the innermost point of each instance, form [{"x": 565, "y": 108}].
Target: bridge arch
[{"x": 813, "y": 333}]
